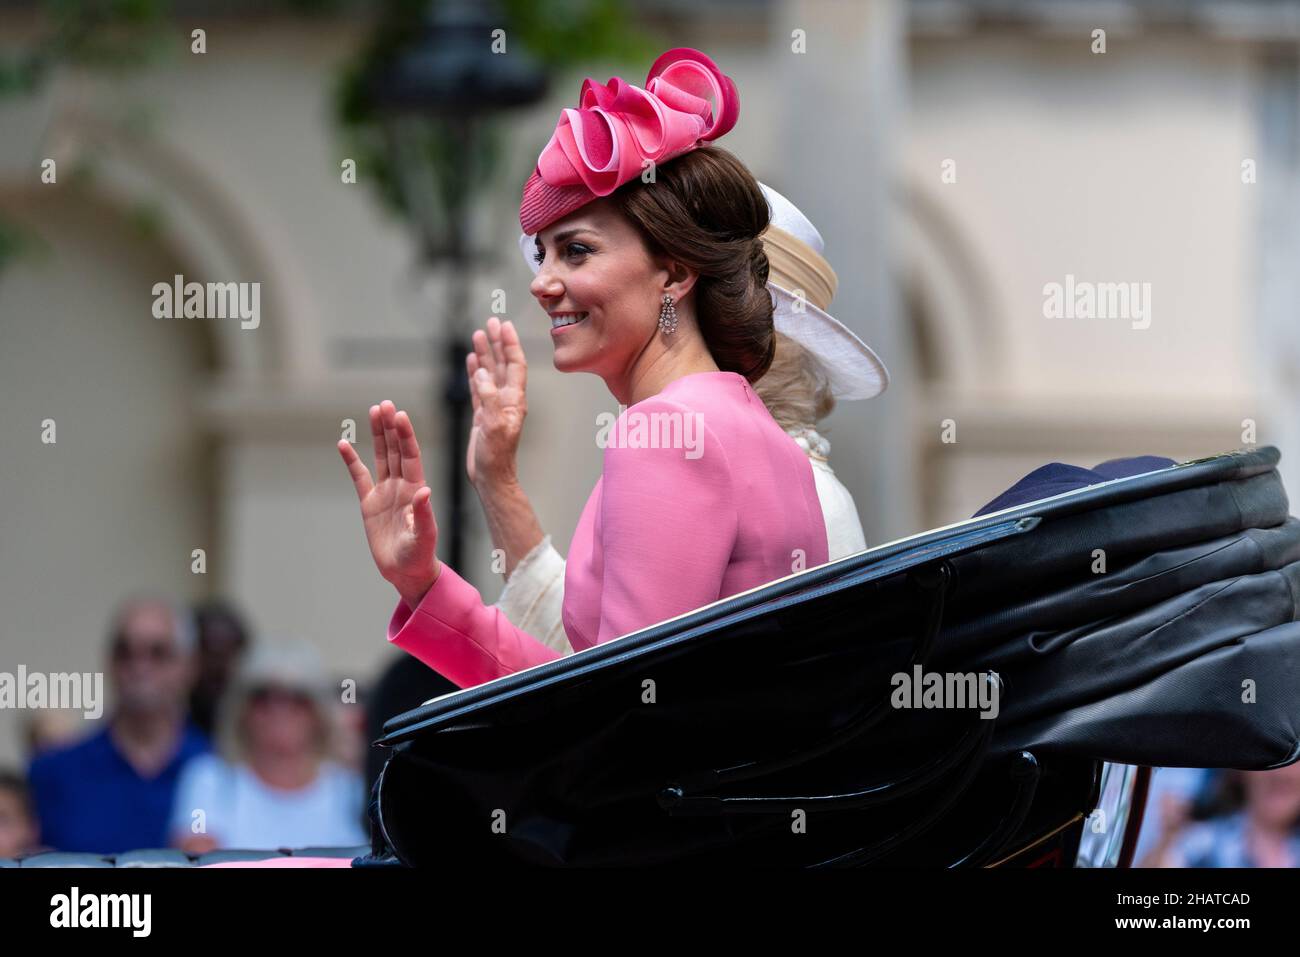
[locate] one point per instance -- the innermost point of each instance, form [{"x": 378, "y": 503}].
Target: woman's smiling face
[{"x": 594, "y": 267}]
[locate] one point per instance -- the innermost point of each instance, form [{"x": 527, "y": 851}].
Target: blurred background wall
[{"x": 956, "y": 156}]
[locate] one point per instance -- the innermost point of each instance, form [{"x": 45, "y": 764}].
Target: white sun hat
[{"x": 802, "y": 284}]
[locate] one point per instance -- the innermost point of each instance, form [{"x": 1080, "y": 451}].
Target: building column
[{"x": 843, "y": 100}]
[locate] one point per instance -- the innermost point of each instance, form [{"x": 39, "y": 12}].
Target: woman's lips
[{"x": 568, "y": 325}]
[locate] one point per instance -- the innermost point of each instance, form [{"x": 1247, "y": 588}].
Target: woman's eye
[{"x": 570, "y": 251}]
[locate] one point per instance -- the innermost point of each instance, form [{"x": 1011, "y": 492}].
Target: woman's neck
[{"x": 651, "y": 373}]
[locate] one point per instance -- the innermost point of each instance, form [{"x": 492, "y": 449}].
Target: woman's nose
[{"x": 546, "y": 285}]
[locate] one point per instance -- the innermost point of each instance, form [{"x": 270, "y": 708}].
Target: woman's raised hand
[
  {"x": 395, "y": 508},
  {"x": 498, "y": 381}
]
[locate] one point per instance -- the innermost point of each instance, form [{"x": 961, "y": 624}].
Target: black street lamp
[{"x": 452, "y": 80}]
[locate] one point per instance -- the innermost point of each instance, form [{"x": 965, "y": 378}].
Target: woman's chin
[{"x": 565, "y": 360}]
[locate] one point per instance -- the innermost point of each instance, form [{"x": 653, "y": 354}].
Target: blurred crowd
[
  {"x": 1200, "y": 817},
  {"x": 213, "y": 741}
]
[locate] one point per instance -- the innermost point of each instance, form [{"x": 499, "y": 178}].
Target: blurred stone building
[{"x": 958, "y": 158}]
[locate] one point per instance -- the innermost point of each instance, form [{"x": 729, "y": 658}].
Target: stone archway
[
  {"x": 207, "y": 227},
  {"x": 949, "y": 318},
  {"x": 959, "y": 342}
]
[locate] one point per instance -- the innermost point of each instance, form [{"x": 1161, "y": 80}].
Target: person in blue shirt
[{"x": 113, "y": 792}]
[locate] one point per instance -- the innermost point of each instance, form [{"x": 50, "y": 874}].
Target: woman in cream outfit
[{"x": 818, "y": 360}]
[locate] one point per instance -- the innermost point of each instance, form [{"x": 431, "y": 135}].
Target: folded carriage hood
[{"x": 1147, "y": 620}]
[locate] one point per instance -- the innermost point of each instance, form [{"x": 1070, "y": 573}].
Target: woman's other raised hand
[
  {"x": 498, "y": 381},
  {"x": 395, "y": 508}
]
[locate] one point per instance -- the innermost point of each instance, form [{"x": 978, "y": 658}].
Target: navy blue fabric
[
  {"x": 1057, "y": 477},
  {"x": 89, "y": 798}
]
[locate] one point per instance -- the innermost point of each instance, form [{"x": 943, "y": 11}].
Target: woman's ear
[{"x": 681, "y": 280}]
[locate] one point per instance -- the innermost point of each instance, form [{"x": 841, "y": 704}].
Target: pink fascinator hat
[
  {"x": 687, "y": 102},
  {"x": 619, "y": 128}
]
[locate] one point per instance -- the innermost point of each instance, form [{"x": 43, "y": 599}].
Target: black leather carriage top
[{"x": 1205, "y": 542}]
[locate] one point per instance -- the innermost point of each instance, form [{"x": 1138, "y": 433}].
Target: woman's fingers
[
  {"x": 516, "y": 361},
  {"x": 487, "y": 391},
  {"x": 356, "y": 468},
  {"x": 488, "y": 355},
  {"x": 471, "y": 367},
  {"x": 397, "y": 451},
  {"x": 498, "y": 352},
  {"x": 381, "y": 445},
  {"x": 483, "y": 350},
  {"x": 412, "y": 469},
  {"x": 388, "y": 412},
  {"x": 422, "y": 513}
]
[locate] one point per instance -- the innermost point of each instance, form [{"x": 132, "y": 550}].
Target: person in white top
[
  {"x": 797, "y": 393},
  {"x": 275, "y": 783},
  {"x": 817, "y": 361}
]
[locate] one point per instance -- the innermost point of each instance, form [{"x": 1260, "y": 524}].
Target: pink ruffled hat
[
  {"x": 619, "y": 128},
  {"x": 687, "y": 102}
]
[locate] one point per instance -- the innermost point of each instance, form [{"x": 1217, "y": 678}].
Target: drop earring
[{"x": 668, "y": 315}]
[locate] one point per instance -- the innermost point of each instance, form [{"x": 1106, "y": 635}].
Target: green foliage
[
  {"x": 12, "y": 242},
  {"x": 116, "y": 36},
  {"x": 106, "y": 35},
  {"x": 17, "y": 241},
  {"x": 563, "y": 33},
  {"x": 558, "y": 34}
]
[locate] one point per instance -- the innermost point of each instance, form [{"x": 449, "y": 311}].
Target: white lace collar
[{"x": 812, "y": 442}]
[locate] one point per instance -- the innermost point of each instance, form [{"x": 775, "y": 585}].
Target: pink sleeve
[
  {"x": 458, "y": 636},
  {"x": 668, "y": 526}
]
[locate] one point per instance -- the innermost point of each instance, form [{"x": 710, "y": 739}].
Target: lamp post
[{"x": 450, "y": 80}]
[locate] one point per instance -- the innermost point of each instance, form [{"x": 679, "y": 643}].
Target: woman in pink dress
[{"x": 652, "y": 276}]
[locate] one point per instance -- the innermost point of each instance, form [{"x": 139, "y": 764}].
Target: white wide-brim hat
[{"x": 802, "y": 284}]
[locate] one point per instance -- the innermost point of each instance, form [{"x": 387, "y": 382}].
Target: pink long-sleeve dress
[{"x": 702, "y": 496}]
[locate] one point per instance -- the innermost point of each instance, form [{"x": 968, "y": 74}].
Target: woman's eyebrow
[{"x": 566, "y": 234}]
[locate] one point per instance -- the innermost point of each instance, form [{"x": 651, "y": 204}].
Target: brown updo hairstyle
[{"x": 706, "y": 211}]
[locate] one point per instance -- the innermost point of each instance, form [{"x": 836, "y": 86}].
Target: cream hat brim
[{"x": 852, "y": 366}]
